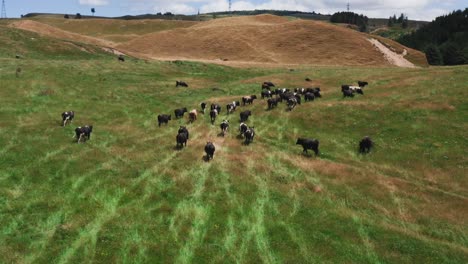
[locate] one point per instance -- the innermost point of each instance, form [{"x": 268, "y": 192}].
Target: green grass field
[{"x": 128, "y": 196}]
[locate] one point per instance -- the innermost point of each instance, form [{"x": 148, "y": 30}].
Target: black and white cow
[
  {"x": 292, "y": 102},
  {"x": 267, "y": 94},
  {"x": 203, "y": 107},
  {"x": 245, "y": 115},
  {"x": 232, "y": 106},
  {"x": 249, "y": 135},
  {"x": 365, "y": 145},
  {"x": 83, "y": 133},
  {"x": 248, "y": 99},
  {"x": 356, "y": 89},
  {"x": 217, "y": 107},
  {"x": 180, "y": 112},
  {"x": 224, "y": 127},
  {"x": 307, "y": 143},
  {"x": 272, "y": 102},
  {"x": 213, "y": 115},
  {"x": 300, "y": 90},
  {"x": 163, "y": 119},
  {"x": 242, "y": 128},
  {"x": 67, "y": 117},
  {"x": 362, "y": 83},
  {"x": 181, "y": 83},
  {"x": 315, "y": 91},
  {"x": 279, "y": 91},
  {"x": 209, "y": 150},
  {"x": 348, "y": 93}
]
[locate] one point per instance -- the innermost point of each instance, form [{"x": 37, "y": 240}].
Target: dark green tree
[
  {"x": 401, "y": 18},
  {"x": 433, "y": 55},
  {"x": 390, "y": 22},
  {"x": 452, "y": 54},
  {"x": 404, "y": 24}
]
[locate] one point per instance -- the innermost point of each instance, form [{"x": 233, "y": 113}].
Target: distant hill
[{"x": 445, "y": 40}]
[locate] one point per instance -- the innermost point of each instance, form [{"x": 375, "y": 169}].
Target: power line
[{"x": 3, "y": 15}]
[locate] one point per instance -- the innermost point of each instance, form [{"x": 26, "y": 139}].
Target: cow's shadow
[
  {"x": 221, "y": 134},
  {"x": 205, "y": 158}
]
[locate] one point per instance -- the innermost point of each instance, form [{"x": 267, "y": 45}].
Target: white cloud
[
  {"x": 94, "y": 2},
  {"x": 415, "y": 9}
]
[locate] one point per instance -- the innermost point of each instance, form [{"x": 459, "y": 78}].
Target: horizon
[{"x": 422, "y": 10}]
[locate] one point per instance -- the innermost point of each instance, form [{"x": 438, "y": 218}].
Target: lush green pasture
[{"x": 129, "y": 196}]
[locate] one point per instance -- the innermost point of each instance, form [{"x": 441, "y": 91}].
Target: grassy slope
[{"x": 127, "y": 195}]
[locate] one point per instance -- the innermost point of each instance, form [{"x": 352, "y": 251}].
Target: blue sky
[{"x": 414, "y": 9}]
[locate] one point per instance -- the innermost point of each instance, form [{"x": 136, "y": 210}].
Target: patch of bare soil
[{"x": 391, "y": 56}]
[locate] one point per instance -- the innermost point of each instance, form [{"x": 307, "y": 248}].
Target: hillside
[
  {"x": 246, "y": 40},
  {"x": 128, "y": 195}
]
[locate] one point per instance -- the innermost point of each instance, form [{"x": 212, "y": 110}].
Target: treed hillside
[{"x": 444, "y": 40}]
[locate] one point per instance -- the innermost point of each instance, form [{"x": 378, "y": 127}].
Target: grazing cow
[
  {"x": 183, "y": 129},
  {"x": 203, "y": 107},
  {"x": 309, "y": 97},
  {"x": 315, "y": 91},
  {"x": 242, "y": 128},
  {"x": 292, "y": 101},
  {"x": 300, "y": 90},
  {"x": 180, "y": 112},
  {"x": 83, "y": 133},
  {"x": 245, "y": 115},
  {"x": 267, "y": 94},
  {"x": 249, "y": 135},
  {"x": 213, "y": 114},
  {"x": 121, "y": 58},
  {"x": 181, "y": 140},
  {"x": 362, "y": 83},
  {"x": 163, "y": 119},
  {"x": 272, "y": 102},
  {"x": 193, "y": 115},
  {"x": 181, "y": 83},
  {"x": 216, "y": 106},
  {"x": 224, "y": 127},
  {"x": 348, "y": 93},
  {"x": 298, "y": 98},
  {"x": 209, "y": 150},
  {"x": 67, "y": 117},
  {"x": 356, "y": 89},
  {"x": 280, "y": 91},
  {"x": 248, "y": 99},
  {"x": 307, "y": 143},
  {"x": 232, "y": 106},
  {"x": 267, "y": 85},
  {"x": 365, "y": 145}
]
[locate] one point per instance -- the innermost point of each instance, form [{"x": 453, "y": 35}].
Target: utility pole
[
  {"x": 230, "y": 7},
  {"x": 3, "y": 15},
  {"x": 347, "y": 7}
]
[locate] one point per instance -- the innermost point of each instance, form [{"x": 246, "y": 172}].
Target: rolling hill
[{"x": 256, "y": 39}]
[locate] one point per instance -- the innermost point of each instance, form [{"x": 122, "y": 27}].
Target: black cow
[
  {"x": 267, "y": 85},
  {"x": 307, "y": 143},
  {"x": 181, "y": 140},
  {"x": 67, "y": 117},
  {"x": 267, "y": 94},
  {"x": 242, "y": 128},
  {"x": 203, "y": 107},
  {"x": 362, "y": 83},
  {"x": 245, "y": 115},
  {"x": 248, "y": 99},
  {"x": 224, "y": 127},
  {"x": 181, "y": 83},
  {"x": 209, "y": 150},
  {"x": 83, "y": 132},
  {"x": 298, "y": 98},
  {"x": 272, "y": 102},
  {"x": 309, "y": 97},
  {"x": 365, "y": 145},
  {"x": 232, "y": 106},
  {"x": 249, "y": 135},
  {"x": 217, "y": 107},
  {"x": 163, "y": 119},
  {"x": 121, "y": 58},
  {"x": 183, "y": 129},
  {"x": 213, "y": 114},
  {"x": 315, "y": 91},
  {"x": 180, "y": 112},
  {"x": 281, "y": 91}
]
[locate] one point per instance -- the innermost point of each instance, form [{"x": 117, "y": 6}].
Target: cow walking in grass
[
  {"x": 249, "y": 135},
  {"x": 209, "y": 150},
  {"x": 193, "y": 115},
  {"x": 224, "y": 127},
  {"x": 182, "y": 137},
  {"x": 83, "y": 133},
  {"x": 163, "y": 119},
  {"x": 67, "y": 117},
  {"x": 213, "y": 115},
  {"x": 308, "y": 143},
  {"x": 365, "y": 145}
]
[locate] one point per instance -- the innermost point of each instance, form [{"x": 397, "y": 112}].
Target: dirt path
[{"x": 392, "y": 57}]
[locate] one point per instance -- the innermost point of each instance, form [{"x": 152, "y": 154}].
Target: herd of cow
[{"x": 274, "y": 96}]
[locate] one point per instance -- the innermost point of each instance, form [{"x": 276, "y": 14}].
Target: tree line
[
  {"x": 350, "y": 18},
  {"x": 402, "y": 20},
  {"x": 444, "y": 40}
]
